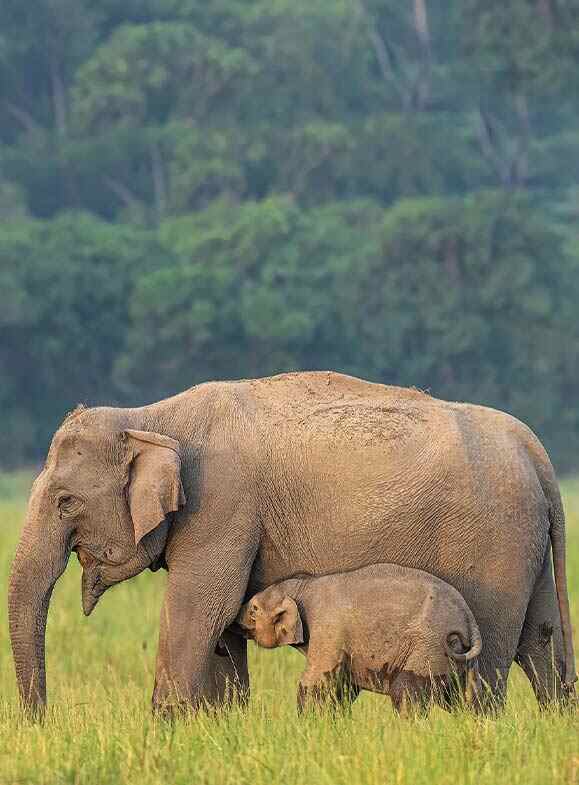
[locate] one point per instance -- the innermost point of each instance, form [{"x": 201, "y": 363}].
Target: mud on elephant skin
[{"x": 237, "y": 485}]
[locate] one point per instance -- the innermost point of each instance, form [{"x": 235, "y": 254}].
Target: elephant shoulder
[{"x": 216, "y": 402}]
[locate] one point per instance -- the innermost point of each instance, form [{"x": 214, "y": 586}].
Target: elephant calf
[{"x": 383, "y": 628}]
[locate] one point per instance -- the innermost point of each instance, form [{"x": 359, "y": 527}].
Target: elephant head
[
  {"x": 104, "y": 494},
  {"x": 271, "y": 619}
]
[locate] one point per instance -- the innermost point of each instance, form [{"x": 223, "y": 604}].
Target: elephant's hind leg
[
  {"x": 540, "y": 651},
  {"x": 411, "y": 695}
]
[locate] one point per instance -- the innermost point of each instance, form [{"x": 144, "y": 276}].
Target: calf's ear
[{"x": 288, "y": 624}]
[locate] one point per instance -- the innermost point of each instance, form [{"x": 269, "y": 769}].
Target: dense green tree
[
  {"x": 251, "y": 292},
  {"x": 64, "y": 288},
  {"x": 524, "y": 47}
]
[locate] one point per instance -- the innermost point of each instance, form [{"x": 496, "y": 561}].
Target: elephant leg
[
  {"x": 322, "y": 694},
  {"x": 189, "y": 671},
  {"x": 499, "y": 649},
  {"x": 461, "y": 689},
  {"x": 494, "y": 675},
  {"x": 324, "y": 685},
  {"x": 540, "y": 651},
  {"x": 499, "y": 604},
  {"x": 347, "y": 692},
  {"x": 230, "y": 674},
  {"x": 410, "y": 695},
  {"x": 315, "y": 695},
  {"x": 205, "y": 589}
]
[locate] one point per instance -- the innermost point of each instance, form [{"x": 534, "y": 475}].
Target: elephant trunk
[
  {"x": 244, "y": 624},
  {"x": 37, "y": 565}
]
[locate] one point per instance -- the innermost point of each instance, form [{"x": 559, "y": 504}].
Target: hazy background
[{"x": 196, "y": 189}]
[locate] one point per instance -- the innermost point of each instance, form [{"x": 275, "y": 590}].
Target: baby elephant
[{"x": 384, "y": 628}]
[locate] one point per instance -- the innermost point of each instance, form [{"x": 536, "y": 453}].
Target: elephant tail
[
  {"x": 473, "y": 646},
  {"x": 557, "y": 536},
  {"x": 548, "y": 481}
]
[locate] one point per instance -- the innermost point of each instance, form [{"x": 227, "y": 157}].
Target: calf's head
[{"x": 271, "y": 619}]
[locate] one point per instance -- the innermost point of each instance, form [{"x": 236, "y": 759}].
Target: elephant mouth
[
  {"x": 97, "y": 576},
  {"x": 92, "y": 589}
]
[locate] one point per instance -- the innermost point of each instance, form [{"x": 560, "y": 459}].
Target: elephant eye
[{"x": 67, "y": 505}]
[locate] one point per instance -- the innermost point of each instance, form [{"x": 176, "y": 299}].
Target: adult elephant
[{"x": 235, "y": 485}]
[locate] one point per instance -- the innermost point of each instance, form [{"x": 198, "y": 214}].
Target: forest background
[{"x": 193, "y": 190}]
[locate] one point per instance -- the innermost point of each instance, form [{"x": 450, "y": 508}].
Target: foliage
[
  {"x": 192, "y": 190},
  {"x": 57, "y": 281}
]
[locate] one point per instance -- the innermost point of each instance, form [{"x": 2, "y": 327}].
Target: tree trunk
[
  {"x": 59, "y": 102},
  {"x": 421, "y": 24},
  {"x": 159, "y": 185}
]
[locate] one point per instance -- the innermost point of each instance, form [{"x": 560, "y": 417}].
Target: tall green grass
[{"x": 99, "y": 729}]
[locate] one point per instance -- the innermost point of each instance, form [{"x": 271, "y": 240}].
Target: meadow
[{"x": 99, "y": 728}]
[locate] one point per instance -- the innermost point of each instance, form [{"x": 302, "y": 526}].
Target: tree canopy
[{"x": 193, "y": 190}]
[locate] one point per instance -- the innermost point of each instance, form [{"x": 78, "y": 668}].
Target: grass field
[{"x": 99, "y": 729}]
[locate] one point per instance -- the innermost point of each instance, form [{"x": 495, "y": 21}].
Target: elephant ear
[
  {"x": 288, "y": 624},
  {"x": 155, "y": 488}
]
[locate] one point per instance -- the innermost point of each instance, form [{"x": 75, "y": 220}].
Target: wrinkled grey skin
[
  {"x": 237, "y": 485},
  {"x": 383, "y": 628}
]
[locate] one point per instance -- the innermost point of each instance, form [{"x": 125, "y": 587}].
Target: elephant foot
[{"x": 169, "y": 707}]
